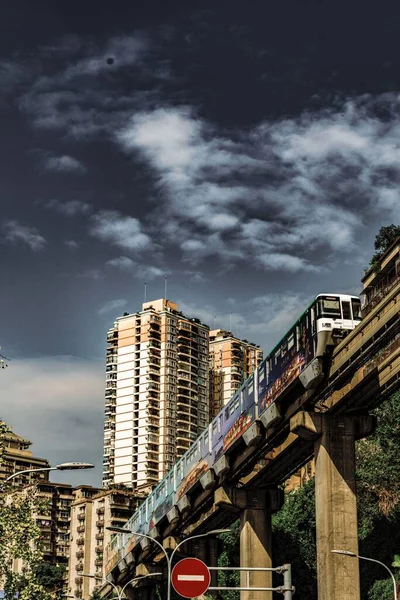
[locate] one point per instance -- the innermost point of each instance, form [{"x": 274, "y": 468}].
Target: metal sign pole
[{"x": 287, "y": 582}]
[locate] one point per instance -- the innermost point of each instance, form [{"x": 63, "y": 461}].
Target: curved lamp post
[
  {"x": 167, "y": 556},
  {"x": 119, "y": 594},
  {"x": 353, "y": 555},
  {"x": 68, "y": 466}
]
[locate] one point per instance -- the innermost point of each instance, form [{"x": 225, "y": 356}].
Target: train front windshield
[{"x": 329, "y": 307}]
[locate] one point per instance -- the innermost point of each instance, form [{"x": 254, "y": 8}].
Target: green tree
[
  {"x": 20, "y": 539},
  {"x": 385, "y": 238}
]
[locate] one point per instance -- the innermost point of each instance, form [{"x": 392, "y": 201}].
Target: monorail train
[{"x": 297, "y": 360}]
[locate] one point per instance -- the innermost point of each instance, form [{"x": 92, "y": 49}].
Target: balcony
[
  {"x": 152, "y": 385},
  {"x": 99, "y": 536},
  {"x": 80, "y": 554},
  {"x": 80, "y": 541},
  {"x": 79, "y": 567},
  {"x": 100, "y": 511},
  {"x": 99, "y": 549},
  {"x": 98, "y": 562},
  {"x": 100, "y": 523},
  {"x": 78, "y": 581},
  {"x": 81, "y": 529}
]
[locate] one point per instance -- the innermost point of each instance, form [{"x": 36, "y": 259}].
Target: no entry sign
[{"x": 190, "y": 577}]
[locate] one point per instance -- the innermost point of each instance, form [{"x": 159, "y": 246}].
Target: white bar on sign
[{"x": 190, "y": 577}]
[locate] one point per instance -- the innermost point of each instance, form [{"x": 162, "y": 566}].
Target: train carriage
[
  {"x": 292, "y": 362},
  {"x": 323, "y": 324}
]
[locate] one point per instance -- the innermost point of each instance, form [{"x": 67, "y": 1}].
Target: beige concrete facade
[
  {"x": 53, "y": 520},
  {"x": 231, "y": 362},
  {"x": 156, "y": 393},
  {"x": 18, "y": 457},
  {"x": 92, "y": 511}
]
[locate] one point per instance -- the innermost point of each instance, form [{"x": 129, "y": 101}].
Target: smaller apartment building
[
  {"x": 53, "y": 521},
  {"x": 18, "y": 457},
  {"x": 92, "y": 511},
  {"x": 231, "y": 362}
]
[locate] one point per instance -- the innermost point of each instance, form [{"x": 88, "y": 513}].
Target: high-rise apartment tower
[
  {"x": 231, "y": 362},
  {"x": 156, "y": 393}
]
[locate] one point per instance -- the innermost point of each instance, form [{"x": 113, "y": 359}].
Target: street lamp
[
  {"x": 68, "y": 466},
  {"x": 354, "y": 555},
  {"x": 167, "y": 556},
  {"x": 119, "y": 594}
]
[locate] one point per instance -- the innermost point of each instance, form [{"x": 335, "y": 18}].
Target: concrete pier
[
  {"x": 256, "y": 508},
  {"x": 335, "y": 497}
]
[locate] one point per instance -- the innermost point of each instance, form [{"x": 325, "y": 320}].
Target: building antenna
[
  {"x": 145, "y": 291},
  {"x": 230, "y": 321},
  {"x": 214, "y": 321},
  {"x": 165, "y": 286}
]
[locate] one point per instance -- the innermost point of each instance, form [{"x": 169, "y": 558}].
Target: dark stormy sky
[{"x": 250, "y": 151}]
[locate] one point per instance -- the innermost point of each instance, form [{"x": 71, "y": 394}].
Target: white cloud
[
  {"x": 70, "y": 208},
  {"x": 122, "y": 262},
  {"x": 263, "y": 320},
  {"x": 124, "y": 51},
  {"x": 72, "y": 99},
  {"x": 18, "y": 234},
  {"x": 277, "y": 193},
  {"x": 94, "y": 274},
  {"x": 119, "y": 230},
  {"x": 71, "y": 244},
  {"x": 285, "y": 262},
  {"x": 58, "y": 404},
  {"x": 140, "y": 271},
  {"x": 112, "y": 306},
  {"x": 63, "y": 164}
]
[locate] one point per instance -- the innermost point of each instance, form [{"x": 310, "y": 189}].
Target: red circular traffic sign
[{"x": 190, "y": 577}]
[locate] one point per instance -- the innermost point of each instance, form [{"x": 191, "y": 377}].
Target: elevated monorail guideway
[{"x": 258, "y": 447}]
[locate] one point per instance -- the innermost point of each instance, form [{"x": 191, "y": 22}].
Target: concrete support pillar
[
  {"x": 256, "y": 508},
  {"x": 255, "y": 544},
  {"x": 335, "y": 497}
]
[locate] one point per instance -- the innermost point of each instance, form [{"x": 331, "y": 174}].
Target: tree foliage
[
  {"x": 385, "y": 238},
  {"x": 20, "y": 540}
]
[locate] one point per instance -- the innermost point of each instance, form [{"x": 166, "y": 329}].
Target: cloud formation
[
  {"x": 119, "y": 230},
  {"x": 69, "y": 208},
  {"x": 63, "y": 164},
  {"x": 18, "y": 234},
  {"x": 37, "y": 402},
  {"x": 269, "y": 316},
  {"x": 275, "y": 194},
  {"x": 141, "y": 271},
  {"x": 112, "y": 306}
]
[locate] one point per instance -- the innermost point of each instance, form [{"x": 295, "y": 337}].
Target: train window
[
  {"x": 231, "y": 408},
  {"x": 227, "y": 412},
  {"x": 290, "y": 341},
  {"x": 297, "y": 337},
  {"x": 214, "y": 427},
  {"x": 261, "y": 374},
  {"x": 312, "y": 320},
  {"x": 356, "y": 305},
  {"x": 277, "y": 356},
  {"x": 346, "y": 310},
  {"x": 329, "y": 307},
  {"x": 250, "y": 387},
  {"x": 236, "y": 405},
  {"x": 206, "y": 438},
  {"x": 284, "y": 348}
]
